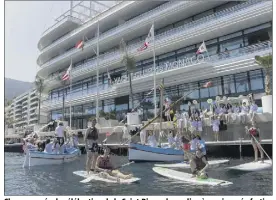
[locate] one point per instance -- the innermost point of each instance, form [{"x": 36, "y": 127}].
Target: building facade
[
  {"x": 23, "y": 110},
  {"x": 234, "y": 33}
]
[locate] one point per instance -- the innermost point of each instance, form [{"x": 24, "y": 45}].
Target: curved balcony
[
  {"x": 241, "y": 59},
  {"x": 60, "y": 28},
  {"x": 92, "y": 22},
  {"x": 221, "y": 23},
  {"x": 132, "y": 25}
]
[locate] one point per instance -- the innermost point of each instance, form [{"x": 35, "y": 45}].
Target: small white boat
[
  {"x": 145, "y": 153},
  {"x": 33, "y": 157}
]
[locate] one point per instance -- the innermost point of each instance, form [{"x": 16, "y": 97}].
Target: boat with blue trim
[
  {"x": 145, "y": 153},
  {"x": 34, "y": 157}
]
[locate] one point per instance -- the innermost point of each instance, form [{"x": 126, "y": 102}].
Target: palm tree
[
  {"x": 266, "y": 63},
  {"x": 39, "y": 85},
  {"x": 130, "y": 65}
]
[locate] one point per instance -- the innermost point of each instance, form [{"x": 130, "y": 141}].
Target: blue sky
[{"x": 24, "y": 23}]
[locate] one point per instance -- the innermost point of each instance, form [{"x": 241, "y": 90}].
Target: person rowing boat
[
  {"x": 106, "y": 169},
  {"x": 197, "y": 155}
]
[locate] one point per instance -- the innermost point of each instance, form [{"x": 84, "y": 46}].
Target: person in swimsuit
[
  {"x": 91, "y": 146},
  {"x": 106, "y": 168},
  {"x": 254, "y": 132}
]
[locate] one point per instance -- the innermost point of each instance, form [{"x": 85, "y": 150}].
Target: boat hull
[
  {"x": 143, "y": 153},
  {"x": 35, "y": 158}
]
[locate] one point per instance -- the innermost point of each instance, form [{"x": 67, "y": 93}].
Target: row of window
[
  {"x": 82, "y": 87},
  {"x": 230, "y": 85},
  {"x": 175, "y": 25}
]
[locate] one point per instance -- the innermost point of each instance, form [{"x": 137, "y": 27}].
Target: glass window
[
  {"x": 189, "y": 89},
  {"x": 166, "y": 55},
  {"x": 231, "y": 44},
  {"x": 229, "y": 84},
  {"x": 257, "y": 28},
  {"x": 89, "y": 109},
  {"x": 212, "y": 49},
  {"x": 77, "y": 110},
  {"x": 56, "y": 114},
  {"x": 256, "y": 80},
  {"x": 109, "y": 105},
  {"x": 214, "y": 90},
  {"x": 182, "y": 22},
  {"x": 164, "y": 29},
  {"x": 211, "y": 41},
  {"x": 241, "y": 82}
]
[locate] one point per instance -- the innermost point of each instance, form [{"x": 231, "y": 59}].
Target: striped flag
[
  {"x": 66, "y": 76},
  {"x": 148, "y": 40},
  {"x": 80, "y": 44},
  {"x": 161, "y": 86}
]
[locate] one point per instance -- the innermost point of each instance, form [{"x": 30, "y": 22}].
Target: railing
[
  {"x": 235, "y": 53},
  {"x": 66, "y": 36},
  {"x": 107, "y": 57},
  {"x": 117, "y": 28}
]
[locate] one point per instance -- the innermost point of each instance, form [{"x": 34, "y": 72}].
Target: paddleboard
[
  {"x": 185, "y": 177},
  {"x": 253, "y": 166},
  {"x": 186, "y": 165},
  {"x": 96, "y": 177}
]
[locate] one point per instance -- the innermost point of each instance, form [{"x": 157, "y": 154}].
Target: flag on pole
[
  {"x": 108, "y": 77},
  {"x": 148, "y": 40},
  {"x": 80, "y": 44},
  {"x": 202, "y": 48},
  {"x": 66, "y": 76},
  {"x": 208, "y": 84},
  {"x": 161, "y": 86}
]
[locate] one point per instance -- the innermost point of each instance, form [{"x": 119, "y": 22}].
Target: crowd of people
[{"x": 57, "y": 145}]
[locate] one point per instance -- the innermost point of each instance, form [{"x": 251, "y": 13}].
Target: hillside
[{"x": 14, "y": 88}]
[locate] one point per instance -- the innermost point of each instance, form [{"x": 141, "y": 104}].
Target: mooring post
[{"x": 241, "y": 148}]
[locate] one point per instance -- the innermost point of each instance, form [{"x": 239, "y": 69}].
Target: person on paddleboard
[
  {"x": 91, "y": 146},
  {"x": 254, "y": 134},
  {"x": 106, "y": 169},
  {"x": 198, "y": 161}
]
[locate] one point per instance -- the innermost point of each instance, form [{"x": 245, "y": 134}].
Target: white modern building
[
  {"x": 234, "y": 33},
  {"x": 23, "y": 111}
]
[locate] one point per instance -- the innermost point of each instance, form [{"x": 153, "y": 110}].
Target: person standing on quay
[{"x": 91, "y": 146}]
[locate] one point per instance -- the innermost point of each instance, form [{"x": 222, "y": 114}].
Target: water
[{"x": 59, "y": 180}]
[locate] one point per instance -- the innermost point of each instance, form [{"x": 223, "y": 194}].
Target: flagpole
[
  {"x": 154, "y": 74},
  {"x": 70, "y": 73},
  {"x": 206, "y": 50},
  {"x": 97, "y": 67}
]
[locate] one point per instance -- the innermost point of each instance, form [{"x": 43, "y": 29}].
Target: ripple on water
[{"x": 60, "y": 180}]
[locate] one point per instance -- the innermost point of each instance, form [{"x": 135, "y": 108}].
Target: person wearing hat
[
  {"x": 60, "y": 132},
  {"x": 107, "y": 169},
  {"x": 91, "y": 146}
]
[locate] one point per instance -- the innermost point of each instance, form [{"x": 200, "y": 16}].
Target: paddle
[
  {"x": 261, "y": 148},
  {"x": 88, "y": 179}
]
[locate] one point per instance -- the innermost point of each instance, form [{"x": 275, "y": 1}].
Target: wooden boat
[
  {"x": 138, "y": 152},
  {"x": 34, "y": 158}
]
